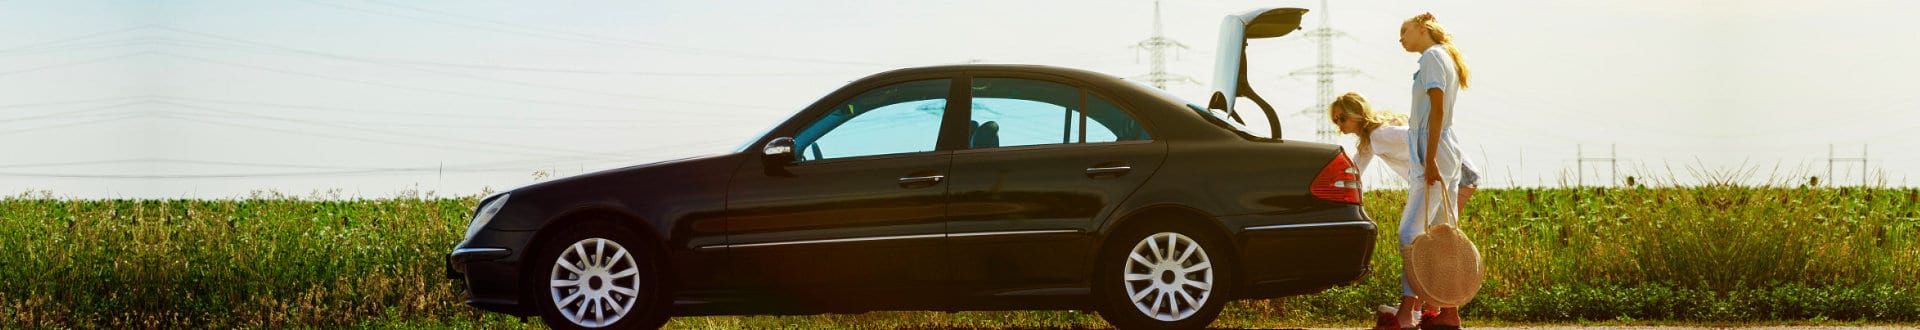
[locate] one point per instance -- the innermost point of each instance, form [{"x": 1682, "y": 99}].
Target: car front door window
[{"x": 900, "y": 118}]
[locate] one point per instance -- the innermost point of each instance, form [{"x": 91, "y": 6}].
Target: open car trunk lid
[{"x": 1230, "y": 63}]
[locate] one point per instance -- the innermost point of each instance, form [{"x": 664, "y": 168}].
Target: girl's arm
[
  {"x": 1362, "y": 159},
  {"x": 1434, "y": 119}
]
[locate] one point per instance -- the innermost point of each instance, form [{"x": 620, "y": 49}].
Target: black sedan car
[{"x": 967, "y": 187}]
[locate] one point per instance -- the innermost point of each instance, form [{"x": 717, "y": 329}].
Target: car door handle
[
  {"x": 1108, "y": 170},
  {"x": 921, "y": 181}
]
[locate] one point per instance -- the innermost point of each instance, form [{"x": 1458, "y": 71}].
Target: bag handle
[{"x": 1432, "y": 214}]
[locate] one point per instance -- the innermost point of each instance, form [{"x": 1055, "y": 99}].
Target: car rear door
[{"x": 1047, "y": 158}]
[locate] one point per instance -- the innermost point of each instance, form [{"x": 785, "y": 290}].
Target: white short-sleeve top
[{"x": 1388, "y": 143}]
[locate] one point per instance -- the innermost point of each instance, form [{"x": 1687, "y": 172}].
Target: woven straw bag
[{"x": 1445, "y": 265}]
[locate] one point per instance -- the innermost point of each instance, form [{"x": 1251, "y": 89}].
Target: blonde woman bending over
[{"x": 1383, "y": 136}]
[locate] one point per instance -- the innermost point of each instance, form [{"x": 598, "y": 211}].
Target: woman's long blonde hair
[
  {"x": 1440, "y": 35},
  {"x": 1353, "y": 105}
]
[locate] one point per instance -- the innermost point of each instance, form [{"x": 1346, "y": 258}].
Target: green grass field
[{"x": 1717, "y": 254}]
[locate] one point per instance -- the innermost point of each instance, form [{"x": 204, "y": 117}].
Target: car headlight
[{"x": 486, "y": 214}]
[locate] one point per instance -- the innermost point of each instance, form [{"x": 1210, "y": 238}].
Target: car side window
[
  {"x": 899, "y": 118},
  {"x": 1110, "y": 124},
  {"x": 1009, "y": 112}
]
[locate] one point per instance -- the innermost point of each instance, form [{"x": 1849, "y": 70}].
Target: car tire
[
  {"x": 1144, "y": 282},
  {"x": 596, "y": 275}
]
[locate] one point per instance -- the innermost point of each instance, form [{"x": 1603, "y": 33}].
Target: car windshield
[
  {"x": 1217, "y": 117},
  {"x": 748, "y": 144}
]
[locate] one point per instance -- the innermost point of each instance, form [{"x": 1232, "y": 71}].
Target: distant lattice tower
[
  {"x": 1324, "y": 73},
  {"x": 1157, "y": 46}
]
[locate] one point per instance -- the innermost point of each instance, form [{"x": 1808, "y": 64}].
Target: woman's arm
[
  {"x": 1362, "y": 159},
  {"x": 1436, "y": 97}
]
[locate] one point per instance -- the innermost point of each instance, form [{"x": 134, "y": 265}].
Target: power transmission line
[
  {"x": 1324, "y": 72},
  {"x": 90, "y": 122},
  {"x": 1581, "y": 159},
  {"x": 72, "y": 63},
  {"x": 72, "y": 39},
  {"x": 504, "y": 166},
  {"x": 643, "y": 44},
  {"x": 1831, "y": 159},
  {"x": 68, "y": 113},
  {"x": 524, "y": 30},
  {"x": 66, "y": 102},
  {"x": 167, "y": 41},
  {"x": 453, "y": 74},
  {"x": 179, "y": 161},
  {"x": 129, "y": 42},
  {"x": 488, "y": 143},
  {"x": 1157, "y": 46},
  {"x": 390, "y": 112},
  {"x": 164, "y": 100},
  {"x": 404, "y": 87},
  {"x": 362, "y": 139}
]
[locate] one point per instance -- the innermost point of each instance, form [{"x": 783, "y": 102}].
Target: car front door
[
  {"x": 860, "y": 209},
  {"x": 1044, "y": 159}
]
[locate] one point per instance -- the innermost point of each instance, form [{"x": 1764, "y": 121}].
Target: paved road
[{"x": 1675, "y": 328}]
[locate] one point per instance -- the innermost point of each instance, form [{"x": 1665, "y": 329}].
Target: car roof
[
  {"x": 1031, "y": 68},
  {"x": 1095, "y": 79},
  {"x": 1136, "y": 94}
]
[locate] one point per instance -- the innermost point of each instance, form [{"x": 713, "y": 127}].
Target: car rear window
[{"x": 1218, "y": 118}]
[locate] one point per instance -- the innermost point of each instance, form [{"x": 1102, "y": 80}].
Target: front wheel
[
  {"x": 1163, "y": 277},
  {"x": 599, "y": 276}
]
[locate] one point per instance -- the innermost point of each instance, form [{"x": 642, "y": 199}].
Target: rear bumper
[{"x": 1284, "y": 259}]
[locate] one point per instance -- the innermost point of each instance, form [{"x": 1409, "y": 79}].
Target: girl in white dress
[{"x": 1435, "y": 149}]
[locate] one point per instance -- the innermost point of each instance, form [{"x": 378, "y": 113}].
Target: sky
[{"x": 370, "y": 99}]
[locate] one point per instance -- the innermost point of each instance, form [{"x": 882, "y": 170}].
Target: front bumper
[
  {"x": 458, "y": 260},
  {"x": 491, "y": 283},
  {"x": 488, "y": 264}
]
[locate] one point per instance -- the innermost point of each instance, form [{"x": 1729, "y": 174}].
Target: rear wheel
[
  {"x": 1163, "y": 277},
  {"x": 599, "y": 276}
]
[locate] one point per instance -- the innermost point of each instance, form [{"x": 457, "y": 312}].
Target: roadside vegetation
[{"x": 1713, "y": 254}]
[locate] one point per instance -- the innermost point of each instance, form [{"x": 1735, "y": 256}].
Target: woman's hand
[{"x": 1432, "y": 172}]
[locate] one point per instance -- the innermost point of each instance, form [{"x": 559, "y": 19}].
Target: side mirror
[
  {"x": 779, "y": 151},
  {"x": 776, "y": 155}
]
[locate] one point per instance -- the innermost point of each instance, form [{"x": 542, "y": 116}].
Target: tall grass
[
  {"x": 270, "y": 262},
  {"x": 1716, "y": 253}
]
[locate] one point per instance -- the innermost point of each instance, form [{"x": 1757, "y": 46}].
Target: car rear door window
[
  {"x": 1010, "y": 112},
  {"x": 899, "y": 118},
  {"x": 1107, "y": 123}
]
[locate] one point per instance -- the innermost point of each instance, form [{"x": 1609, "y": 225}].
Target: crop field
[{"x": 1716, "y": 254}]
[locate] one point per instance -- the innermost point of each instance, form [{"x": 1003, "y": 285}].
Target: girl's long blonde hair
[
  {"x": 1440, "y": 35},
  {"x": 1354, "y": 106}
]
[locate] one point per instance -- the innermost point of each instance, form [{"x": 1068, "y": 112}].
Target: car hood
[{"x": 597, "y": 180}]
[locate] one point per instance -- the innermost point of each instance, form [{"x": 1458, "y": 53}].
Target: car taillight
[{"x": 1338, "y": 182}]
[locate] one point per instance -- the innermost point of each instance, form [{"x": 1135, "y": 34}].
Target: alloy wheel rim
[
  {"x": 1168, "y": 276},
  {"x": 595, "y": 282}
]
